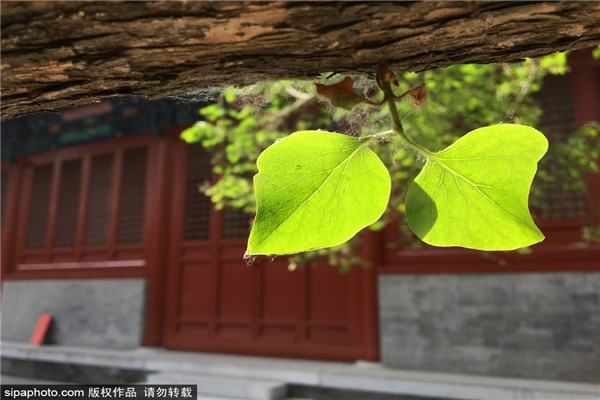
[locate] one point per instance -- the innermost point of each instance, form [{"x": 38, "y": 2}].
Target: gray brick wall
[
  {"x": 535, "y": 325},
  {"x": 97, "y": 313}
]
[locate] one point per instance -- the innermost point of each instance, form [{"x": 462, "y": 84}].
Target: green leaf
[
  {"x": 474, "y": 193},
  {"x": 316, "y": 189}
]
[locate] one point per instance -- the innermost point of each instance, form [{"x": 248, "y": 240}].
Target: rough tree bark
[{"x": 61, "y": 54}]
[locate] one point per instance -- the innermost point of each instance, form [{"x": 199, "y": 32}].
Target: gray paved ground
[{"x": 18, "y": 380}]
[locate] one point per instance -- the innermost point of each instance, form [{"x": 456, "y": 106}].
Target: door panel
[{"x": 218, "y": 303}]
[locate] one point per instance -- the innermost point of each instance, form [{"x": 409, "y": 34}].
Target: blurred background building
[{"x": 104, "y": 228}]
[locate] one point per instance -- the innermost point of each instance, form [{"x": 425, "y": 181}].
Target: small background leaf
[
  {"x": 418, "y": 95},
  {"x": 342, "y": 94},
  {"x": 478, "y": 190},
  {"x": 316, "y": 189}
]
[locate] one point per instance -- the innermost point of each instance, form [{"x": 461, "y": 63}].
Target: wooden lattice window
[
  {"x": 198, "y": 205},
  {"x": 40, "y": 206},
  {"x": 68, "y": 204},
  {"x": 131, "y": 204},
  {"x": 236, "y": 223},
  {"x": 558, "y": 122},
  {"x": 98, "y": 211},
  {"x": 85, "y": 203}
]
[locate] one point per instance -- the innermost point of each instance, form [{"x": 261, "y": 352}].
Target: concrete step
[
  {"x": 328, "y": 376},
  {"x": 203, "y": 397},
  {"x": 221, "y": 386},
  {"x": 21, "y": 380}
]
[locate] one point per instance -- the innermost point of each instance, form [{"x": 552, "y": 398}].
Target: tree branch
[{"x": 57, "y": 54}]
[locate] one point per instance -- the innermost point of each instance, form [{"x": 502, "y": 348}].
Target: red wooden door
[{"x": 217, "y": 303}]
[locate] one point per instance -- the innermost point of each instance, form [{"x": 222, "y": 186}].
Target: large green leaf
[
  {"x": 316, "y": 189},
  {"x": 474, "y": 193}
]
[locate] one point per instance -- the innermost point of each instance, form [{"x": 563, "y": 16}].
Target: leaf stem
[
  {"x": 396, "y": 125},
  {"x": 380, "y": 134}
]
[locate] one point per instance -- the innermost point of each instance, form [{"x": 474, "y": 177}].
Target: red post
[
  {"x": 9, "y": 219},
  {"x": 372, "y": 250},
  {"x": 156, "y": 224}
]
